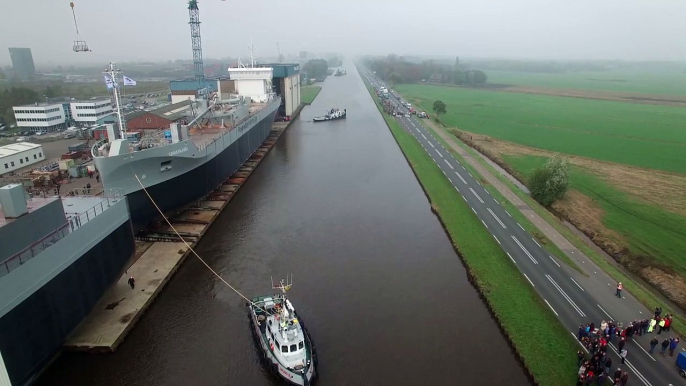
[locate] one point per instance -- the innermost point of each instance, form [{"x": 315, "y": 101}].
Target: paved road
[{"x": 576, "y": 299}]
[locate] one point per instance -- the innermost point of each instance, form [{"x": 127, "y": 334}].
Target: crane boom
[{"x": 194, "y": 16}]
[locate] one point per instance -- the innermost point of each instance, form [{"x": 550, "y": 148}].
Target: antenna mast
[
  {"x": 194, "y": 15},
  {"x": 111, "y": 71}
]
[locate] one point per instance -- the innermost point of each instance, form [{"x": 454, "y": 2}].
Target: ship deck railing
[{"x": 75, "y": 220}]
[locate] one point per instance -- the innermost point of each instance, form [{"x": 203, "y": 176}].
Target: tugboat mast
[{"x": 112, "y": 71}]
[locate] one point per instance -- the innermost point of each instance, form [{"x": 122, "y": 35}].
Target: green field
[
  {"x": 648, "y": 230},
  {"x": 648, "y": 136},
  {"x": 516, "y": 305},
  {"x": 616, "y": 81},
  {"x": 308, "y": 93}
]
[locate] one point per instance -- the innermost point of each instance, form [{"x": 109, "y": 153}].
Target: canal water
[{"x": 384, "y": 294}]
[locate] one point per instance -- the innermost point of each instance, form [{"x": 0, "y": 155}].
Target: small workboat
[
  {"x": 331, "y": 115},
  {"x": 281, "y": 337},
  {"x": 340, "y": 73}
]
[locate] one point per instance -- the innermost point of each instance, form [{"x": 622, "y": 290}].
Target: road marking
[
  {"x": 461, "y": 179},
  {"x": 474, "y": 211},
  {"x": 463, "y": 167},
  {"x": 487, "y": 192},
  {"x": 439, "y": 153},
  {"x": 521, "y": 227},
  {"x": 629, "y": 365},
  {"x": 458, "y": 190},
  {"x": 478, "y": 183},
  {"x": 577, "y": 284},
  {"x": 564, "y": 294},
  {"x": 551, "y": 258},
  {"x": 451, "y": 181},
  {"x": 496, "y": 239},
  {"x": 444, "y": 173},
  {"x": 601, "y": 309},
  {"x": 496, "y": 201},
  {"x": 423, "y": 136},
  {"x": 446, "y": 161},
  {"x": 510, "y": 256},
  {"x": 470, "y": 174},
  {"x": 577, "y": 339},
  {"x": 417, "y": 129},
  {"x": 432, "y": 145},
  {"x": 496, "y": 218},
  {"x": 644, "y": 350},
  {"x": 465, "y": 200},
  {"x": 539, "y": 245},
  {"x": 524, "y": 249},
  {"x": 482, "y": 221},
  {"x": 477, "y": 196},
  {"x": 551, "y": 307},
  {"x": 527, "y": 278},
  {"x": 508, "y": 213}
]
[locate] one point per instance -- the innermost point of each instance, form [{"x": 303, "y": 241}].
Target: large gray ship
[
  {"x": 58, "y": 257},
  {"x": 192, "y": 158}
]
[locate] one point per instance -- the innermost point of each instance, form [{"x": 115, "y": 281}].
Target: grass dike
[
  {"x": 541, "y": 343},
  {"x": 309, "y": 93}
]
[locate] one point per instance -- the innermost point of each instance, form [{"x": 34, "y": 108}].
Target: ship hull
[{"x": 193, "y": 172}]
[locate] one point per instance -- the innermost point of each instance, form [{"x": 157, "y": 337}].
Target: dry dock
[{"x": 159, "y": 253}]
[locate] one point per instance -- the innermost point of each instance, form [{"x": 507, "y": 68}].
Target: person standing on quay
[
  {"x": 623, "y": 354},
  {"x": 132, "y": 282}
]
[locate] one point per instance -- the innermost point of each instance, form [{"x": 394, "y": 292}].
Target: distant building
[
  {"x": 286, "y": 83},
  {"x": 161, "y": 118},
  {"x": 19, "y": 155},
  {"x": 92, "y": 112},
  {"x": 40, "y": 117},
  {"x": 22, "y": 63}
]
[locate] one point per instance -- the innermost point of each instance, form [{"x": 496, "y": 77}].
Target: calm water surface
[{"x": 383, "y": 293}]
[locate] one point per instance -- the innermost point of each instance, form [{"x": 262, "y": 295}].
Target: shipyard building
[
  {"x": 49, "y": 117},
  {"x": 19, "y": 155},
  {"x": 284, "y": 78}
]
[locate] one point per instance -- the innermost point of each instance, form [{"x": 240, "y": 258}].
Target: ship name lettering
[{"x": 178, "y": 151}]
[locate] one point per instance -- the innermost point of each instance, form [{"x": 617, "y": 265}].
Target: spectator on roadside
[
  {"x": 623, "y": 354},
  {"x": 653, "y": 343},
  {"x": 665, "y": 344},
  {"x": 672, "y": 346},
  {"x": 619, "y": 289}
]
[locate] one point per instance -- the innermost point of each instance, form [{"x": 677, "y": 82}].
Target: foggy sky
[{"x": 125, "y": 30}]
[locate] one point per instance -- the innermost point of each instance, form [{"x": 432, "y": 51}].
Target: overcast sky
[{"x": 125, "y": 30}]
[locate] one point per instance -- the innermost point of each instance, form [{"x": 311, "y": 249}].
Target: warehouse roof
[
  {"x": 17, "y": 148},
  {"x": 171, "y": 112}
]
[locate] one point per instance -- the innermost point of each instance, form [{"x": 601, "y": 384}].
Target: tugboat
[
  {"x": 332, "y": 115},
  {"x": 282, "y": 338},
  {"x": 340, "y": 73}
]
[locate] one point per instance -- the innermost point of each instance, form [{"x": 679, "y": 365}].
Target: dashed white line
[
  {"x": 510, "y": 256},
  {"x": 577, "y": 339},
  {"x": 525, "y": 250},
  {"x": 423, "y": 136},
  {"x": 564, "y": 294},
  {"x": 605, "y": 312},
  {"x": 439, "y": 153},
  {"x": 470, "y": 174},
  {"x": 551, "y": 307},
  {"x": 520, "y": 227},
  {"x": 527, "y": 278},
  {"x": 477, "y": 196},
  {"x": 496, "y": 201},
  {"x": 487, "y": 192},
  {"x": 496, "y": 239},
  {"x": 539, "y": 245},
  {"x": 458, "y": 190},
  {"x": 463, "y": 167},
  {"x": 629, "y": 365},
  {"x": 446, "y": 161},
  {"x": 473, "y": 211},
  {"x": 577, "y": 284},
  {"x": 508, "y": 213},
  {"x": 432, "y": 145},
  {"x": 482, "y": 221},
  {"x": 444, "y": 173},
  {"x": 465, "y": 200},
  {"x": 451, "y": 181},
  {"x": 478, "y": 183},
  {"x": 551, "y": 258},
  {"x": 496, "y": 218},
  {"x": 461, "y": 179}
]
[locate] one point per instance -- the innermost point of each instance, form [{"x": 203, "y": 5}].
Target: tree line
[{"x": 395, "y": 70}]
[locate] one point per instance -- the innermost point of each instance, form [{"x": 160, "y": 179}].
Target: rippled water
[{"x": 384, "y": 295}]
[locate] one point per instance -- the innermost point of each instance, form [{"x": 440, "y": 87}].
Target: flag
[
  {"x": 128, "y": 81},
  {"x": 108, "y": 82}
]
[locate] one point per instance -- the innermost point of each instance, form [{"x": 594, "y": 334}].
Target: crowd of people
[{"x": 596, "y": 339}]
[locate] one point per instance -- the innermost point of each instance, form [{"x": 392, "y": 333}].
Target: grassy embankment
[
  {"x": 644, "y": 235},
  {"x": 615, "y": 81},
  {"x": 308, "y": 93},
  {"x": 515, "y": 304}
]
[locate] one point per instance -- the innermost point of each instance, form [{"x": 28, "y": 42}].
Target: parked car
[{"x": 21, "y": 139}]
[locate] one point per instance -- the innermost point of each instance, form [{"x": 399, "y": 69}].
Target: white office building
[
  {"x": 91, "y": 112},
  {"x": 40, "y": 117},
  {"x": 19, "y": 155}
]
